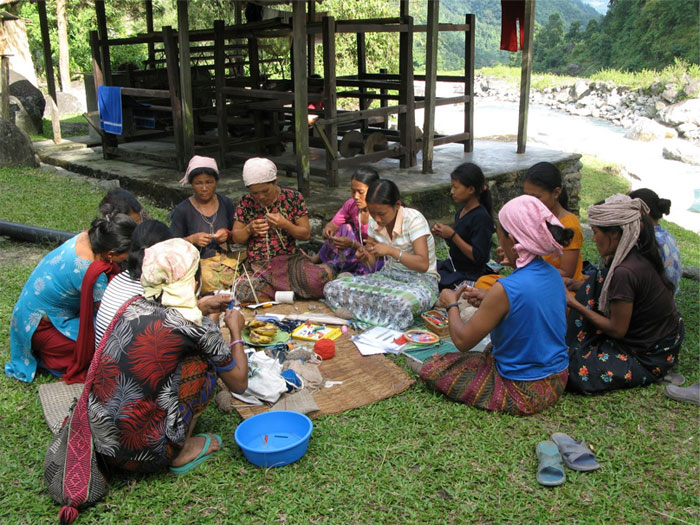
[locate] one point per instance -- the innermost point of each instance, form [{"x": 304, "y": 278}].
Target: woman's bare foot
[{"x": 193, "y": 446}]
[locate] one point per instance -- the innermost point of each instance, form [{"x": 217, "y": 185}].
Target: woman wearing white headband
[{"x": 623, "y": 328}]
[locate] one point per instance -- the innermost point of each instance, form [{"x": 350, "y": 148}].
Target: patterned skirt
[
  {"x": 472, "y": 378},
  {"x": 197, "y": 382},
  {"x": 391, "y": 297},
  {"x": 345, "y": 260},
  {"x": 287, "y": 272},
  {"x": 600, "y": 363}
]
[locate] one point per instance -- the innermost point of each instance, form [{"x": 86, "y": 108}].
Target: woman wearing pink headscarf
[{"x": 526, "y": 367}]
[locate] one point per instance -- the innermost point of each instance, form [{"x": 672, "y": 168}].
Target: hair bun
[{"x": 665, "y": 206}]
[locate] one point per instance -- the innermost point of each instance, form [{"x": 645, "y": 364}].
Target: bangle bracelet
[
  {"x": 233, "y": 343},
  {"x": 398, "y": 259},
  {"x": 452, "y": 236},
  {"x": 447, "y": 308}
]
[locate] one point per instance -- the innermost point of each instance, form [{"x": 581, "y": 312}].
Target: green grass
[
  {"x": 47, "y": 128},
  {"x": 415, "y": 457}
]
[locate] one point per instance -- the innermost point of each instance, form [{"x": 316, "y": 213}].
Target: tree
[{"x": 63, "y": 49}]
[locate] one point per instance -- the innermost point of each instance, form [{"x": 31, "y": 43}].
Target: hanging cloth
[{"x": 512, "y": 11}]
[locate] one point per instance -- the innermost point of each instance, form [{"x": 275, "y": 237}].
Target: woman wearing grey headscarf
[{"x": 623, "y": 329}]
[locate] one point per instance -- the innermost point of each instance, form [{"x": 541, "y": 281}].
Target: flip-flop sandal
[
  {"x": 576, "y": 454},
  {"x": 673, "y": 378},
  {"x": 550, "y": 470},
  {"x": 203, "y": 455}
]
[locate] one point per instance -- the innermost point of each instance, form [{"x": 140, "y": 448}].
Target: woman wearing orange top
[{"x": 544, "y": 181}]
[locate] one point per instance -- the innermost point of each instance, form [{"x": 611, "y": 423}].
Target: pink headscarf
[
  {"x": 199, "y": 162},
  {"x": 526, "y": 218}
]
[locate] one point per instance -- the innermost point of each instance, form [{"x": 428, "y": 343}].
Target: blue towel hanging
[{"x": 109, "y": 104}]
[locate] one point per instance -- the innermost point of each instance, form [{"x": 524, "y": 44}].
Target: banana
[
  {"x": 255, "y": 323},
  {"x": 259, "y": 339}
]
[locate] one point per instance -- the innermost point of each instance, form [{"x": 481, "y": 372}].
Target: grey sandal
[
  {"x": 576, "y": 454},
  {"x": 689, "y": 395}
]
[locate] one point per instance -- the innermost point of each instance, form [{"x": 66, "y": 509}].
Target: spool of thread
[
  {"x": 284, "y": 297},
  {"x": 324, "y": 348}
]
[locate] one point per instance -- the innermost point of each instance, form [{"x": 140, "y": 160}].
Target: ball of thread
[{"x": 324, "y": 348}]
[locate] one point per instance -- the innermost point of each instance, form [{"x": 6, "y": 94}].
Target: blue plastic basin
[{"x": 274, "y": 439}]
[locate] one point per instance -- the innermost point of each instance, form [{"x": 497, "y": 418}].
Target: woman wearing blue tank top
[{"x": 525, "y": 369}]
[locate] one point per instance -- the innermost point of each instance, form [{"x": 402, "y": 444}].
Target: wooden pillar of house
[
  {"x": 219, "y": 83},
  {"x": 382, "y": 101},
  {"x": 431, "y": 51},
  {"x": 256, "y": 80},
  {"x": 173, "y": 69},
  {"x": 361, "y": 72},
  {"x": 301, "y": 97},
  {"x": 525, "y": 74},
  {"x": 104, "y": 41},
  {"x": 403, "y": 8},
  {"x": 46, "y": 48},
  {"x": 470, "y": 20},
  {"x": 407, "y": 119},
  {"x": 311, "y": 56},
  {"x": 183, "y": 41},
  {"x": 330, "y": 99},
  {"x": 5, "y": 87},
  {"x": 108, "y": 140},
  {"x": 149, "y": 30}
]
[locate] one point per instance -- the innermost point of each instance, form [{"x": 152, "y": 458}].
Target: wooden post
[
  {"x": 5, "y": 87},
  {"x": 431, "y": 52},
  {"x": 173, "y": 69},
  {"x": 383, "y": 102},
  {"x": 104, "y": 37},
  {"x": 301, "y": 97},
  {"x": 220, "y": 82},
  {"x": 183, "y": 37},
  {"x": 361, "y": 72},
  {"x": 108, "y": 140},
  {"x": 149, "y": 30},
  {"x": 403, "y": 8},
  {"x": 407, "y": 120},
  {"x": 525, "y": 75},
  {"x": 330, "y": 99},
  {"x": 46, "y": 46},
  {"x": 469, "y": 82},
  {"x": 311, "y": 58},
  {"x": 254, "y": 65}
]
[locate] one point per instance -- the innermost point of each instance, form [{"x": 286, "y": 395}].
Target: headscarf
[
  {"x": 168, "y": 271},
  {"x": 199, "y": 162},
  {"x": 526, "y": 218},
  {"x": 618, "y": 210},
  {"x": 258, "y": 171}
]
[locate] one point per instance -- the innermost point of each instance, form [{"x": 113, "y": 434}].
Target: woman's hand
[
  {"x": 449, "y": 296},
  {"x": 379, "y": 249},
  {"x": 574, "y": 284},
  {"x": 277, "y": 220},
  {"x": 235, "y": 322},
  {"x": 502, "y": 257},
  {"x": 213, "y": 304},
  {"x": 329, "y": 230},
  {"x": 342, "y": 243},
  {"x": 361, "y": 254},
  {"x": 221, "y": 235},
  {"x": 474, "y": 296},
  {"x": 258, "y": 226},
  {"x": 200, "y": 239},
  {"x": 442, "y": 230}
]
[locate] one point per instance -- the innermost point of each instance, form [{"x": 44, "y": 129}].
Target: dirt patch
[{"x": 13, "y": 253}]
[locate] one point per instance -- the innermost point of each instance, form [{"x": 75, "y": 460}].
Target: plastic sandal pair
[
  {"x": 560, "y": 451},
  {"x": 203, "y": 455}
]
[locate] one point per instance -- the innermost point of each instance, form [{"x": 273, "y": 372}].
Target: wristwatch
[{"x": 447, "y": 308}]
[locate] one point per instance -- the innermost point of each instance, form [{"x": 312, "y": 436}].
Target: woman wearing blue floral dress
[
  {"x": 46, "y": 321},
  {"x": 623, "y": 329}
]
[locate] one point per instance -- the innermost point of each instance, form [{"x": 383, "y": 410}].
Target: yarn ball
[
  {"x": 324, "y": 348},
  {"x": 293, "y": 381}
]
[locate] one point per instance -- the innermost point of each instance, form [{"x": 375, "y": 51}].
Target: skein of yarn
[{"x": 324, "y": 348}]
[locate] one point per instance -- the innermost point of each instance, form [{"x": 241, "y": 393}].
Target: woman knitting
[
  {"x": 270, "y": 220},
  {"x": 469, "y": 240},
  {"x": 204, "y": 220},
  {"x": 157, "y": 367},
  {"x": 53, "y": 320},
  {"x": 407, "y": 284},
  {"x": 347, "y": 231},
  {"x": 623, "y": 327},
  {"x": 526, "y": 368}
]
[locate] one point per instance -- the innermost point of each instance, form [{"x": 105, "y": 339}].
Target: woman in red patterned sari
[{"x": 158, "y": 370}]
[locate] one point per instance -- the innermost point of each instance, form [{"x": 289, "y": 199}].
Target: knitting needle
[{"x": 252, "y": 289}]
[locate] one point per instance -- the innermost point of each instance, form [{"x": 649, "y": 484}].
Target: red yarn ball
[{"x": 324, "y": 348}]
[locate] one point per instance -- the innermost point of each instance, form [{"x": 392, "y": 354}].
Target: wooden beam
[
  {"x": 407, "y": 120},
  {"x": 383, "y": 101},
  {"x": 361, "y": 72},
  {"x": 220, "y": 80},
  {"x": 404, "y": 8},
  {"x": 301, "y": 99},
  {"x": 525, "y": 75},
  {"x": 104, "y": 41},
  {"x": 5, "y": 87},
  {"x": 173, "y": 69},
  {"x": 469, "y": 47},
  {"x": 149, "y": 30},
  {"x": 431, "y": 53},
  {"x": 183, "y": 37},
  {"x": 46, "y": 47},
  {"x": 330, "y": 100},
  {"x": 311, "y": 57}
]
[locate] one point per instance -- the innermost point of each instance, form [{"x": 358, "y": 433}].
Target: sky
[{"x": 599, "y": 5}]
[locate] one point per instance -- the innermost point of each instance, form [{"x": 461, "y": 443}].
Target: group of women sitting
[{"x": 158, "y": 354}]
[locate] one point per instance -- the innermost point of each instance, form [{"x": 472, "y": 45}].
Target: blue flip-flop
[
  {"x": 550, "y": 471},
  {"x": 201, "y": 457}
]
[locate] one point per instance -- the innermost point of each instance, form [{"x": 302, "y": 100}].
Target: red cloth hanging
[
  {"x": 85, "y": 345},
  {"x": 512, "y": 11}
]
